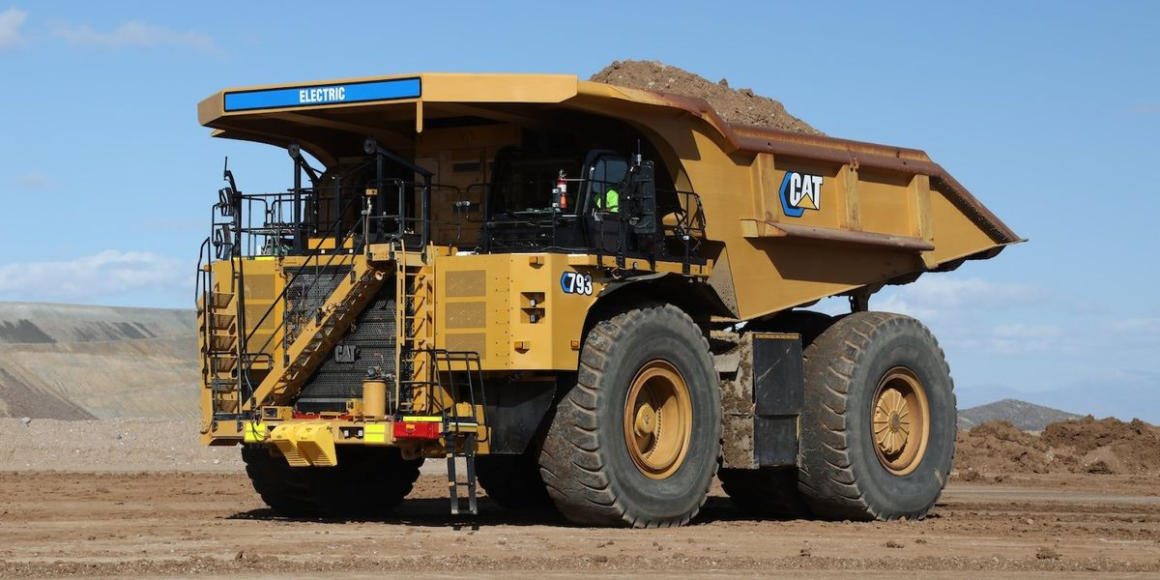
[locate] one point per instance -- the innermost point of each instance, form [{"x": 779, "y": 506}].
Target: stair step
[
  {"x": 222, "y": 343},
  {"x": 221, "y": 299},
  {"x": 223, "y": 321},
  {"x": 220, "y": 386}
]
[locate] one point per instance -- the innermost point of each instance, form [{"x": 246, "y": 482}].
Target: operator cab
[{"x": 602, "y": 201}]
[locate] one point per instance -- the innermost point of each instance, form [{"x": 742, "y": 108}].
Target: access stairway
[
  {"x": 314, "y": 342},
  {"x": 218, "y": 321}
]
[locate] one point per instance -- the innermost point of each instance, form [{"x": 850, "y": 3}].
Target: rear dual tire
[
  {"x": 879, "y": 424},
  {"x": 368, "y": 482},
  {"x": 877, "y": 428}
]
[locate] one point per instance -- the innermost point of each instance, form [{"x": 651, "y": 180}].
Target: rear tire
[
  {"x": 368, "y": 482},
  {"x": 878, "y": 427},
  {"x": 637, "y": 440},
  {"x": 513, "y": 481}
]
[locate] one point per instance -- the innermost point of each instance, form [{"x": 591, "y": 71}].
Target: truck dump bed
[{"x": 790, "y": 218}]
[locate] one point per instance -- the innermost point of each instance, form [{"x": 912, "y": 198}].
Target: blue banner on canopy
[{"x": 329, "y": 94}]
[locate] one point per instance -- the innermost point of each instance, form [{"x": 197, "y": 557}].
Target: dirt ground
[
  {"x": 141, "y": 498},
  {"x": 175, "y": 524}
]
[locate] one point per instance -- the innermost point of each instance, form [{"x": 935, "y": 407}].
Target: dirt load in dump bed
[
  {"x": 1087, "y": 445},
  {"x": 741, "y": 106}
]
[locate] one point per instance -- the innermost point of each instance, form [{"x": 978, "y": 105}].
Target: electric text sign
[{"x": 326, "y": 94}]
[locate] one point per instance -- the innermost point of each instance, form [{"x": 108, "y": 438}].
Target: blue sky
[{"x": 1048, "y": 111}]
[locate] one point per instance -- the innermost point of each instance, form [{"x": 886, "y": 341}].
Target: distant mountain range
[{"x": 1021, "y": 414}]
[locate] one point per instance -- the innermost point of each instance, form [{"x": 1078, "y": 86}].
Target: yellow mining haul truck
[{"x": 588, "y": 295}]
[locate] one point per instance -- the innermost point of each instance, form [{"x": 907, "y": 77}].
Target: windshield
[
  {"x": 607, "y": 176},
  {"x": 525, "y": 184}
]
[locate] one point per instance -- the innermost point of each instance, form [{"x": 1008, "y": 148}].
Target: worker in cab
[
  {"x": 608, "y": 175},
  {"x": 612, "y": 200}
]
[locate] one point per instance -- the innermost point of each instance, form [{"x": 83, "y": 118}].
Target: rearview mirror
[{"x": 643, "y": 188}]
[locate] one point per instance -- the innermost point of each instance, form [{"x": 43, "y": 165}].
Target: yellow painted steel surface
[
  {"x": 306, "y": 443},
  {"x": 876, "y": 214},
  {"x": 790, "y": 218},
  {"x": 512, "y": 309}
]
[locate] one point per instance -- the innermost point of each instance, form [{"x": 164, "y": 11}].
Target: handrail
[{"x": 314, "y": 253}]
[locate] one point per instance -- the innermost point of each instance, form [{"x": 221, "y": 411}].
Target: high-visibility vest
[{"x": 612, "y": 201}]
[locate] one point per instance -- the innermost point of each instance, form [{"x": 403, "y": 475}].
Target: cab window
[{"x": 607, "y": 176}]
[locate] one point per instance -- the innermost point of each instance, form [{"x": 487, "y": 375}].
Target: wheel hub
[
  {"x": 901, "y": 421},
  {"x": 646, "y": 418},
  {"x": 658, "y": 419}
]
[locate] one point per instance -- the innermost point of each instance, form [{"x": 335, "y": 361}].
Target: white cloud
[
  {"x": 1020, "y": 338},
  {"x": 936, "y": 295},
  {"x": 1129, "y": 335},
  {"x": 11, "y": 21},
  {"x": 89, "y": 278},
  {"x": 34, "y": 180},
  {"x": 1137, "y": 332},
  {"x": 135, "y": 34}
]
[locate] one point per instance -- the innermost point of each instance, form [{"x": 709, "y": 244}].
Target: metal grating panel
[{"x": 373, "y": 337}]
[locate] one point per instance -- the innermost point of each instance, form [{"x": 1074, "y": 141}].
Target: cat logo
[
  {"x": 799, "y": 192},
  {"x": 345, "y": 353}
]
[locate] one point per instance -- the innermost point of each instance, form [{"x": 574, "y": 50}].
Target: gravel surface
[
  {"x": 182, "y": 525},
  {"x": 113, "y": 445}
]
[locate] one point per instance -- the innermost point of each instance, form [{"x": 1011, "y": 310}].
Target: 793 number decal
[{"x": 576, "y": 283}]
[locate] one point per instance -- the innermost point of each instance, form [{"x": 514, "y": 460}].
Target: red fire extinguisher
[{"x": 561, "y": 192}]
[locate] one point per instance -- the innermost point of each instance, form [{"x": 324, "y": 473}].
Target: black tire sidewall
[
  {"x": 910, "y": 495},
  {"x": 644, "y": 341}
]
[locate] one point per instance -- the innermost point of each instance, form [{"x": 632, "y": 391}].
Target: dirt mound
[
  {"x": 734, "y": 105},
  {"x": 1123, "y": 447},
  {"x": 998, "y": 447},
  {"x": 1087, "y": 445}
]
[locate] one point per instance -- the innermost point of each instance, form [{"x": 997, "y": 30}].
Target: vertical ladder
[
  {"x": 460, "y": 445},
  {"x": 404, "y": 332},
  {"x": 413, "y": 332},
  {"x": 460, "y": 422}
]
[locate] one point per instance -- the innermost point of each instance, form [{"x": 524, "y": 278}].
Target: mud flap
[
  {"x": 778, "y": 394},
  {"x": 762, "y": 399},
  {"x": 305, "y": 444}
]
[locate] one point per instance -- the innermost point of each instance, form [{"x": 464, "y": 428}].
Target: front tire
[
  {"x": 878, "y": 427},
  {"x": 636, "y": 440}
]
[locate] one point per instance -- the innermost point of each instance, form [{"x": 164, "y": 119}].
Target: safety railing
[{"x": 679, "y": 227}]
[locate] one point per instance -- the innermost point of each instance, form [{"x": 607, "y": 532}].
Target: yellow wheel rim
[
  {"x": 658, "y": 419},
  {"x": 901, "y": 421}
]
